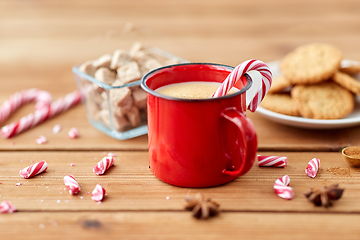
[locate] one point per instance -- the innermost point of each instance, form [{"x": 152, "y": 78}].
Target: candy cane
[
  {"x": 42, "y": 114},
  {"x": 7, "y": 207},
  {"x": 238, "y": 72},
  {"x": 42, "y": 99},
  {"x": 272, "y": 161},
  {"x": 98, "y": 193},
  {"x": 282, "y": 189},
  {"x": 103, "y": 165},
  {"x": 34, "y": 169},
  {"x": 71, "y": 184},
  {"x": 312, "y": 167}
]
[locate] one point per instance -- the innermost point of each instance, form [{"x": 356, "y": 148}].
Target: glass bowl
[{"x": 118, "y": 109}]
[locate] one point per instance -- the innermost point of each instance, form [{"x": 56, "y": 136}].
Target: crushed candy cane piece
[
  {"x": 56, "y": 129},
  {"x": 272, "y": 161},
  {"x": 282, "y": 189},
  {"x": 72, "y": 164},
  {"x": 41, "y": 139},
  {"x": 71, "y": 184},
  {"x": 312, "y": 167},
  {"x": 18, "y": 184},
  {"x": 73, "y": 133},
  {"x": 98, "y": 193},
  {"x": 34, "y": 169},
  {"x": 7, "y": 207},
  {"x": 103, "y": 165}
]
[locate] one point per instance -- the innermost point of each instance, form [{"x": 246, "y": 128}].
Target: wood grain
[
  {"x": 178, "y": 225},
  {"x": 40, "y": 42},
  {"x": 130, "y": 184}
]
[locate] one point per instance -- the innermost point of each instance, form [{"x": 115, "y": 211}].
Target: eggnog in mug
[{"x": 191, "y": 90}]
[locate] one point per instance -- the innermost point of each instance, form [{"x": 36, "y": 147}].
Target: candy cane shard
[
  {"x": 282, "y": 189},
  {"x": 238, "y": 72},
  {"x": 7, "y": 207},
  {"x": 73, "y": 133},
  {"x": 271, "y": 161},
  {"x": 103, "y": 165},
  {"x": 71, "y": 184},
  {"x": 98, "y": 193},
  {"x": 41, "y": 139},
  {"x": 313, "y": 167},
  {"x": 40, "y": 115},
  {"x": 34, "y": 169}
]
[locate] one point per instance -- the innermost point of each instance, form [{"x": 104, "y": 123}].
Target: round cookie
[
  {"x": 280, "y": 103},
  {"x": 351, "y": 70},
  {"x": 347, "y": 82},
  {"x": 311, "y": 63},
  {"x": 325, "y": 100},
  {"x": 279, "y": 84}
]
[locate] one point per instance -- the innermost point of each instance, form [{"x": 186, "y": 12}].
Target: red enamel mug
[{"x": 198, "y": 142}]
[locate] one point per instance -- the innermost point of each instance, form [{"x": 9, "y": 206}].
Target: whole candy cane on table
[
  {"x": 98, "y": 193},
  {"x": 34, "y": 169},
  {"x": 42, "y": 98},
  {"x": 103, "y": 165},
  {"x": 59, "y": 106},
  {"x": 71, "y": 184},
  {"x": 271, "y": 161},
  {"x": 238, "y": 72},
  {"x": 7, "y": 207},
  {"x": 312, "y": 167},
  {"x": 282, "y": 189}
]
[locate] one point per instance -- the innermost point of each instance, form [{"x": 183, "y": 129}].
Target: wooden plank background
[{"x": 40, "y": 42}]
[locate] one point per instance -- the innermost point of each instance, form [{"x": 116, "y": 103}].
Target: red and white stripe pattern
[
  {"x": 238, "y": 72},
  {"x": 71, "y": 184},
  {"x": 282, "y": 188},
  {"x": 7, "y": 207},
  {"x": 42, "y": 98},
  {"x": 41, "y": 139},
  {"x": 73, "y": 133},
  {"x": 103, "y": 165},
  {"x": 98, "y": 193},
  {"x": 42, "y": 114},
  {"x": 271, "y": 161},
  {"x": 312, "y": 167},
  {"x": 34, "y": 169}
]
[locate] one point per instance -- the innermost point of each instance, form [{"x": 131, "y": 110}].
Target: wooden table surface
[{"x": 40, "y": 42}]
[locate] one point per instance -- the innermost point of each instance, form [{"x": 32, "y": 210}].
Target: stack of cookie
[{"x": 313, "y": 84}]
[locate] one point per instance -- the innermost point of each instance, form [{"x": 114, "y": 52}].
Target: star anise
[
  {"x": 324, "y": 195},
  {"x": 201, "y": 207}
]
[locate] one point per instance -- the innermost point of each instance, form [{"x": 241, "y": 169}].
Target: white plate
[{"x": 351, "y": 120}]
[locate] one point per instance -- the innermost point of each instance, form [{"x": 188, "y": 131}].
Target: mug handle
[{"x": 248, "y": 136}]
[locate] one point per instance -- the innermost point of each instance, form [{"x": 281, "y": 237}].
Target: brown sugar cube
[
  {"x": 103, "y": 61},
  {"x": 120, "y": 96},
  {"x": 152, "y": 64},
  {"x": 120, "y": 123},
  {"x": 134, "y": 116},
  {"x": 122, "y": 110},
  {"x": 105, "y": 75},
  {"x": 119, "y": 58},
  {"x": 88, "y": 68},
  {"x": 135, "y": 48},
  {"x": 119, "y": 111},
  {"x": 139, "y": 97},
  {"x": 117, "y": 82},
  {"x": 129, "y": 72}
]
